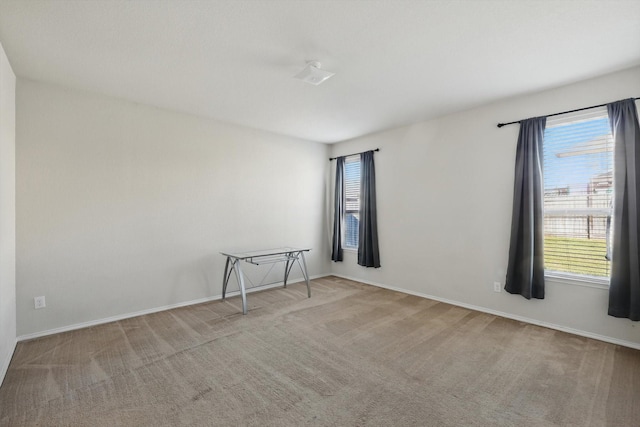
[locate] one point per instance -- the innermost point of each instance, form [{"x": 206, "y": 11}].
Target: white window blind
[
  {"x": 578, "y": 193},
  {"x": 352, "y": 201}
]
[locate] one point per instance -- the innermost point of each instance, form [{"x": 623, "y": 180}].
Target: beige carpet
[{"x": 352, "y": 355}]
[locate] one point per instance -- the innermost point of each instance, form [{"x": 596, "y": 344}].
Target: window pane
[
  {"x": 578, "y": 193},
  {"x": 352, "y": 222},
  {"x": 352, "y": 201}
]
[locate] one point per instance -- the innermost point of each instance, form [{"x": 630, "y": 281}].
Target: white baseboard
[
  {"x": 630, "y": 344},
  {"x": 573, "y": 331},
  {"x": 5, "y": 363},
  {"x": 150, "y": 311}
]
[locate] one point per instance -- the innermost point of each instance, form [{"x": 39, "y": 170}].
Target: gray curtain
[
  {"x": 368, "y": 253},
  {"x": 338, "y": 211},
  {"x": 624, "y": 290},
  {"x": 525, "y": 271}
]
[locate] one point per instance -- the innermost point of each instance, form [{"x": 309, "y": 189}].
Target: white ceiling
[{"x": 396, "y": 62}]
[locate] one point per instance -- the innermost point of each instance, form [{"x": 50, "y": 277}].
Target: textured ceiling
[{"x": 396, "y": 62}]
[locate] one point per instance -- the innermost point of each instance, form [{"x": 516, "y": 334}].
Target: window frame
[
  {"x": 577, "y": 279},
  {"x": 355, "y": 212}
]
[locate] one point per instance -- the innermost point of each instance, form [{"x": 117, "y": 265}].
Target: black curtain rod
[
  {"x": 557, "y": 114},
  {"x": 333, "y": 158}
]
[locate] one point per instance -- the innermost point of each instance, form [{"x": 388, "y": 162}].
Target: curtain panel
[
  {"x": 368, "y": 252},
  {"x": 338, "y": 211},
  {"x": 525, "y": 271},
  {"x": 624, "y": 289}
]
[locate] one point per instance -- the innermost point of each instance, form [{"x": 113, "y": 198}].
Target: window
[
  {"x": 352, "y": 201},
  {"x": 578, "y": 194}
]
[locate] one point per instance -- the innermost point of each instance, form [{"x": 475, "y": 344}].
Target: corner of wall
[
  {"x": 7, "y": 214},
  {"x": 5, "y": 363}
]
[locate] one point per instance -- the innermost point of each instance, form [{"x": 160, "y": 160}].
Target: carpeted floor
[{"x": 352, "y": 355}]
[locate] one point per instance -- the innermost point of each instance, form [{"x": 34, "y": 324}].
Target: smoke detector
[{"x": 312, "y": 73}]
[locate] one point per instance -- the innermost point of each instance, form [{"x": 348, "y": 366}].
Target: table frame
[{"x": 288, "y": 255}]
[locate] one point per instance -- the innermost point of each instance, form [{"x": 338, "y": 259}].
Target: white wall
[
  {"x": 124, "y": 208},
  {"x": 7, "y": 214},
  {"x": 445, "y": 189}
]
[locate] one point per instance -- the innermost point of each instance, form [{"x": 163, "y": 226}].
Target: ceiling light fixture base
[{"x": 312, "y": 73}]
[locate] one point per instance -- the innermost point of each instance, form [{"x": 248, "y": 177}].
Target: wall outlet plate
[
  {"x": 497, "y": 287},
  {"x": 39, "y": 302}
]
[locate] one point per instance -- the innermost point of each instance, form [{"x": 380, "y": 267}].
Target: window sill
[
  {"x": 350, "y": 249},
  {"x": 570, "y": 279}
]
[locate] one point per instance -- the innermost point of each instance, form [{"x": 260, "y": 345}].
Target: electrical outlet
[
  {"x": 39, "y": 302},
  {"x": 497, "y": 286}
]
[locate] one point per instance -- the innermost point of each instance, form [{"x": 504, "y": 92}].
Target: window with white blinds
[
  {"x": 578, "y": 193},
  {"x": 352, "y": 201}
]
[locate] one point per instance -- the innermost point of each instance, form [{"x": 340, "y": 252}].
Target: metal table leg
[
  {"x": 303, "y": 267},
  {"x": 240, "y": 277},
  {"x": 287, "y": 269},
  {"x": 225, "y": 278}
]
